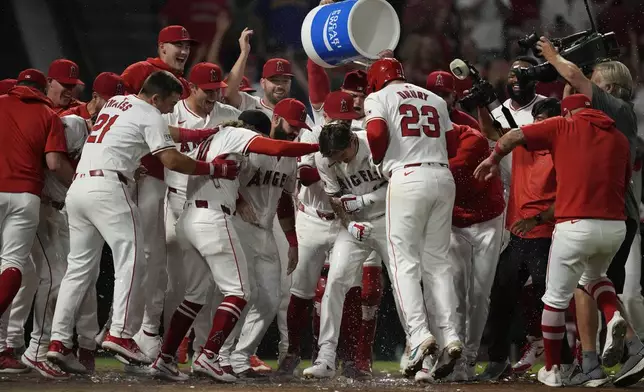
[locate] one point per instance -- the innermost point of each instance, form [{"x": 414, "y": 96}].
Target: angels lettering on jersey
[{"x": 268, "y": 177}]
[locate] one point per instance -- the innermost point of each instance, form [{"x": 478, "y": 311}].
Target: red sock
[
  {"x": 371, "y": 297},
  {"x": 179, "y": 325},
  {"x": 10, "y": 281},
  {"x": 350, "y": 326},
  {"x": 296, "y": 320},
  {"x": 604, "y": 293},
  {"x": 553, "y": 327},
  {"x": 317, "y": 304},
  {"x": 226, "y": 316}
]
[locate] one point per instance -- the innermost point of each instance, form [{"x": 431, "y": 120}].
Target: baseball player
[
  {"x": 48, "y": 253},
  {"x": 267, "y": 185},
  {"x": 475, "y": 245},
  {"x": 317, "y": 228},
  {"x": 408, "y": 129},
  {"x": 32, "y": 131},
  {"x": 206, "y": 217},
  {"x": 6, "y": 85},
  {"x": 345, "y": 167},
  {"x": 100, "y": 210},
  {"x": 149, "y": 194},
  {"x": 106, "y": 85},
  {"x": 442, "y": 84},
  {"x": 62, "y": 78},
  {"x": 590, "y": 222}
]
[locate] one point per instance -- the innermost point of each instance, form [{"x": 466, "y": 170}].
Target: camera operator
[
  {"x": 610, "y": 89},
  {"x": 442, "y": 84},
  {"x": 530, "y": 220}
]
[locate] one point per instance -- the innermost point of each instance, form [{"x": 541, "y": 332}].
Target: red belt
[
  {"x": 204, "y": 204},
  {"x": 99, "y": 173}
]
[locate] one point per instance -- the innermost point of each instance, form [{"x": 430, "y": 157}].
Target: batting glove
[
  {"x": 360, "y": 230},
  {"x": 224, "y": 168},
  {"x": 352, "y": 203}
]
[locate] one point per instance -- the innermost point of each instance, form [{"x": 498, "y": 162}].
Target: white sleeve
[
  {"x": 443, "y": 117},
  {"x": 76, "y": 132},
  {"x": 156, "y": 134},
  {"x": 291, "y": 182},
  {"x": 307, "y": 137},
  {"x": 318, "y": 117},
  {"x": 374, "y": 109},
  {"x": 171, "y": 118},
  {"x": 235, "y": 140},
  {"x": 222, "y": 114},
  {"x": 248, "y": 102},
  {"x": 327, "y": 175}
]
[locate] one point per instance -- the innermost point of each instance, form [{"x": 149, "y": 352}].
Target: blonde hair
[
  {"x": 237, "y": 124},
  {"x": 617, "y": 75}
]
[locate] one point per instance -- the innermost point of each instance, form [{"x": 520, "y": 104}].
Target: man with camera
[
  {"x": 610, "y": 89},
  {"x": 530, "y": 198}
]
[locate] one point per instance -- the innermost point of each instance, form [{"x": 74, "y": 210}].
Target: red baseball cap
[
  {"x": 33, "y": 75},
  {"x": 245, "y": 86},
  {"x": 575, "y": 101},
  {"x": 355, "y": 81},
  {"x": 207, "y": 76},
  {"x": 6, "y": 85},
  {"x": 338, "y": 105},
  {"x": 64, "y": 71},
  {"x": 276, "y": 67},
  {"x": 109, "y": 84},
  {"x": 440, "y": 82},
  {"x": 293, "y": 111},
  {"x": 174, "y": 33}
]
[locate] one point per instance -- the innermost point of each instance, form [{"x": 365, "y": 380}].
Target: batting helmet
[{"x": 382, "y": 72}]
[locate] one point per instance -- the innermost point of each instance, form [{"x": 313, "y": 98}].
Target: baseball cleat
[
  {"x": 532, "y": 354},
  {"x": 86, "y": 358},
  {"x": 251, "y": 374},
  {"x": 551, "y": 378},
  {"x": 207, "y": 364},
  {"x": 150, "y": 346},
  {"x": 165, "y": 367},
  {"x": 614, "y": 346},
  {"x": 404, "y": 359},
  {"x": 10, "y": 365},
  {"x": 320, "y": 369},
  {"x": 462, "y": 372},
  {"x": 62, "y": 356},
  {"x": 45, "y": 368},
  {"x": 447, "y": 359},
  {"x": 259, "y": 366},
  {"x": 127, "y": 348},
  {"x": 288, "y": 365},
  {"x": 418, "y": 353},
  {"x": 576, "y": 377}
]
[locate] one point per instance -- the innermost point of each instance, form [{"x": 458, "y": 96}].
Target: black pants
[
  {"x": 522, "y": 258},
  {"x": 616, "y": 271}
]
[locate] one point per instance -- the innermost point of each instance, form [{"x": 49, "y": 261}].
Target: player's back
[
  {"x": 125, "y": 130},
  {"x": 417, "y": 120}
]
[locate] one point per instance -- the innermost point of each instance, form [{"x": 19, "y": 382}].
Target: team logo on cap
[
  {"x": 120, "y": 89},
  {"x": 344, "y": 107},
  {"x": 184, "y": 33},
  {"x": 279, "y": 66},
  {"x": 439, "y": 80},
  {"x": 303, "y": 116},
  {"x": 73, "y": 71},
  {"x": 214, "y": 76}
]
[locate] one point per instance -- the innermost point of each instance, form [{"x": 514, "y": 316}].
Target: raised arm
[
  {"x": 272, "y": 147},
  {"x": 319, "y": 85},
  {"x": 565, "y": 68},
  {"x": 237, "y": 72}
]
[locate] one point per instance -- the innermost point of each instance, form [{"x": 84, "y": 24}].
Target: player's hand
[
  {"x": 487, "y": 169},
  {"x": 244, "y": 40},
  {"x": 245, "y": 211},
  {"x": 546, "y": 48},
  {"x": 225, "y": 168},
  {"x": 292, "y": 259},
  {"x": 568, "y": 90},
  {"x": 223, "y": 21},
  {"x": 523, "y": 226},
  {"x": 140, "y": 172},
  {"x": 352, "y": 203},
  {"x": 360, "y": 230},
  {"x": 325, "y": 2}
]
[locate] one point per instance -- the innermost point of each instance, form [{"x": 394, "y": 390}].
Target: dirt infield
[{"x": 117, "y": 381}]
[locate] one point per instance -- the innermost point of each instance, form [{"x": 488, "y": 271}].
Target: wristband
[
  {"x": 291, "y": 237},
  {"x": 497, "y": 154},
  {"x": 203, "y": 168}
]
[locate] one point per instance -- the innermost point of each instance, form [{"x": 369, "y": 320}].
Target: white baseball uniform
[
  {"x": 420, "y": 199},
  {"x": 263, "y": 181},
  {"x": 182, "y": 117},
  {"x": 358, "y": 177},
  {"x": 101, "y": 210}
]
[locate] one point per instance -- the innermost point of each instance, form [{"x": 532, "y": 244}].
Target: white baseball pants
[
  {"x": 172, "y": 279},
  {"x": 345, "y": 271},
  {"x": 631, "y": 296},
  {"x": 580, "y": 253},
  {"x": 101, "y": 210},
  {"x": 285, "y": 289},
  {"x": 419, "y": 221},
  {"x": 474, "y": 251}
]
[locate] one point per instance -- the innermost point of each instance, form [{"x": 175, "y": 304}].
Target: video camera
[{"x": 584, "y": 49}]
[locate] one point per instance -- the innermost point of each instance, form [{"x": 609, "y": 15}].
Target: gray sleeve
[{"x": 621, "y": 112}]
